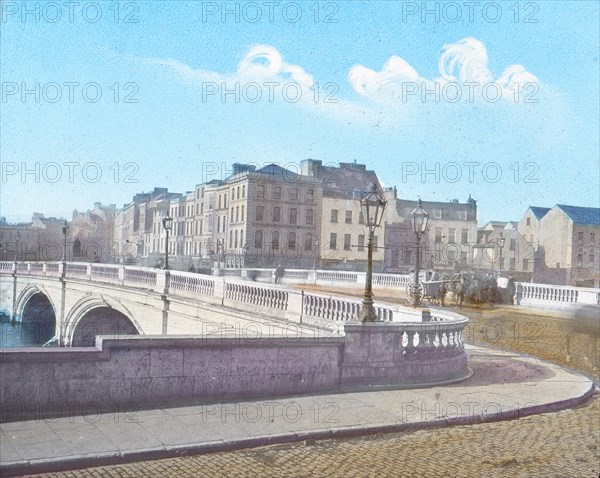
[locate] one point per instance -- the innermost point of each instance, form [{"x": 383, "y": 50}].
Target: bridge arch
[
  {"x": 37, "y": 314},
  {"x": 99, "y": 315},
  {"x": 29, "y": 294}
]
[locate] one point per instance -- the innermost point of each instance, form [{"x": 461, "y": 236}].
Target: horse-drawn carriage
[
  {"x": 477, "y": 287},
  {"x": 432, "y": 287}
]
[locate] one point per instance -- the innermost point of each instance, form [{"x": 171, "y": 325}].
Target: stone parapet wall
[{"x": 150, "y": 371}]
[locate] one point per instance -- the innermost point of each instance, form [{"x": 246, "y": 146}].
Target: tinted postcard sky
[{"x": 101, "y": 100}]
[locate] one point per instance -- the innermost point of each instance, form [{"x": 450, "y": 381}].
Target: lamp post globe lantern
[
  {"x": 167, "y": 224},
  {"x": 65, "y": 231},
  {"x": 372, "y": 207},
  {"x": 501, "y": 242},
  {"x": 17, "y": 239},
  {"x": 420, "y": 221}
]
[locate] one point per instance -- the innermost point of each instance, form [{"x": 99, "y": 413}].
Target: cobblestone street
[{"x": 563, "y": 444}]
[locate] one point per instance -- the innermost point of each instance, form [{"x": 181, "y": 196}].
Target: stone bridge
[
  {"x": 75, "y": 302},
  {"x": 79, "y": 301}
]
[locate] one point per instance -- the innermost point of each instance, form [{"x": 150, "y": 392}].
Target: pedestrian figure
[
  {"x": 192, "y": 268},
  {"x": 279, "y": 271}
]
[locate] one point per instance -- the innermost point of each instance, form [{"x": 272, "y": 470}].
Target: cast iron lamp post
[
  {"x": 65, "y": 231},
  {"x": 501, "y": 242},
  {"x": 17, "y": 239},
  {"x": 372, "y": 207},
  {"x": 167, "y": 224},
  {"x": 420, "y": 219}
]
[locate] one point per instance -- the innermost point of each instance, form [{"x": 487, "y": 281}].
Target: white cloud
[{"x": 463, "y": 71}]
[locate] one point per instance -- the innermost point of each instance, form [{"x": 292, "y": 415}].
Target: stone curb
[{"x": 112, "y": 458}]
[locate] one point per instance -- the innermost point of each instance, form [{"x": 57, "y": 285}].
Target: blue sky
[{"x": 354, "y": 78}]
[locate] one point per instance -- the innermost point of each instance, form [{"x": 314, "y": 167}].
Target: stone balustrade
[
  {"x": 554, "y": 295},
  {"x": 182, "y": 282}
]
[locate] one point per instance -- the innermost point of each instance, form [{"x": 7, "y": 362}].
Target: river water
[{"x": 26, "y": 334}]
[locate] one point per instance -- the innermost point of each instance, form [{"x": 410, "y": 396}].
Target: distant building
[
  {"x": 91, "y": 233},
  {"x": 447, "y": 243},
  {"x": 569, "y": 248},
  {"x": 344, "y": 235},
  {"x": 515, "y": 257},
  {"x": 41, "y": 239}
]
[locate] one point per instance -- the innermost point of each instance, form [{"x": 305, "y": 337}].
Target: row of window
[
  {"x": 277, "y": 193},
  {"x": 464, "y": 235},
  {"x": 334, "y": 218},
  {"x": 580, "y": 237},
  {"x": 347, "y": 245},
  {"x": 309, "y": 216}
]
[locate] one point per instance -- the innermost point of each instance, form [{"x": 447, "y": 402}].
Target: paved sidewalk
[{"x": 503, "y": 386}]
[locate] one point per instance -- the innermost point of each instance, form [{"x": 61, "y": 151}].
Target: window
[
  {"x": 334, "y": 215},
  {"x": 333, "y": 241},
  {"x": 592, "y": 237},
  {"x": 218, "y": 223},
  {"x": 511, "y": 263},
  {"x": 452, "y": 235},
  {"x": 275, "y": 240},
  {"x": 293, "y": 194},
  {"x": 258, "y": 239},
  {"x": 260, "y": 192},
  {"x": 308, "y": 241},
  {"x": 237, "y": 217},
  {"x": 513, "y": 244},
  {"x": 361, "y": 243},
  {"x": 211, "y": 200},
  {"x": 462, "y": 215},
  {"x": 464, "y": 236},
  {"x": 438, "y": 234},
  {"x": 224, "y": 201},
  {"x": 242, "y": 215},
  {"x": 437, "y": 213},
  {"x": 293, "y": 216},
  {"x": 236, "y": 239},
  {"x": 260, "y": 213},
  {"x": 277, "y": 192},
  {"x": 310, "y": 195},
  {"x": 348, "y": 217},
  {"x": 292, "y": 241},
  {"x": 237, "y": 192},
  {"x": 347, "y": 239},
  {"x": 219, "y": 207},
  {"x": 231, "y": 216},
  {"x": 580, "y": 237},
  {"x": 309, "y": 217},
  {"x": 243, "y": 191},
  {"x": 361, "y": 218},
  {"x": 529, "y": 221},
  {"x": 276, "y": 214}
]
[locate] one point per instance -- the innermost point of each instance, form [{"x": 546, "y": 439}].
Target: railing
[
  {"x": 190, "y": 282},
  {"x": 76, "y": 271},
  {"x": 391, "y": 280},
  {"x": 135, "y": 276},
  {"x": 426, "y": 339},
  {"x": 555, "y": 295},
  {"x": 338, "y": 309},
  {"x": 256, "y": 295},
  {"x": 105, "y": 273},
  {"x": 52, "y": 269},
  {"x": 337, "y": 277}
]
